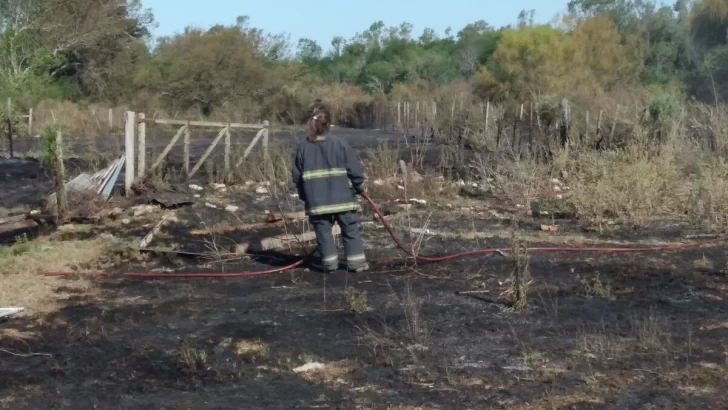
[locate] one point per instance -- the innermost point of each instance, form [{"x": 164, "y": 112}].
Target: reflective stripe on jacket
[{"x": 327, "y": 174}]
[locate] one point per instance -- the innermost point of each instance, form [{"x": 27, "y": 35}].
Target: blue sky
[{"x": 323, "y": 19}]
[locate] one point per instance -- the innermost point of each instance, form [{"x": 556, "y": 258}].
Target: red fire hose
[{"x": 662, "y": 248}]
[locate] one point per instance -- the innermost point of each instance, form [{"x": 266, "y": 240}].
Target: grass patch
[
  {"x": 20, "y": 264},
  {"x": 634, "y": 186}
]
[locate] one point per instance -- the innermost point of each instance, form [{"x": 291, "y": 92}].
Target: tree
[
  {"x": 309, "y": 50},
  {"x": 527, "y": 62},
  {"x": 709, "y": 27},
  {"x": 604, "y": 58},
  {"x": 207, "y": 69},
  {"x": 709, "y": 23},
  {"x": 53, "y": 40}
]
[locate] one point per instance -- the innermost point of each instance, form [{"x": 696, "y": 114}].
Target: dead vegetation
[{"x": 490, "y": 331}]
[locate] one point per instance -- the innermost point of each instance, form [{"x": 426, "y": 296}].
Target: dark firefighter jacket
[{"x": 327, "y": 174}]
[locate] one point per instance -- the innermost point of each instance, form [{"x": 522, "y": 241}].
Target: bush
[{"x": 665, "y": 103}]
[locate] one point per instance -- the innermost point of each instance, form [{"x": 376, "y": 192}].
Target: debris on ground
[
  {"x": 30, "y": 221},
  {"x": 549, "y": 228},
  {"x": 284, "y": 241},
  {"x": 309, "y": 367},
  {"x": 140, "y": 210},
  {"x": 149, "y": 236},
  {"x": 7, "y": 312},
  {"x": 101, "y": 183},
  {"x": 170, "y": 200},
  {"x": 269, "y": 221}
]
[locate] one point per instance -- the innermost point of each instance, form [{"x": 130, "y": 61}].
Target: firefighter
[{"x": 328, "y": 175}]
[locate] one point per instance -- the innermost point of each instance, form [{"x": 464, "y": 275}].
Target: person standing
[{"x": 327, "y": 174}]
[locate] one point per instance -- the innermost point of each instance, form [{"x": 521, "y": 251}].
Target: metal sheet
[{"x": 10, "y": 311}]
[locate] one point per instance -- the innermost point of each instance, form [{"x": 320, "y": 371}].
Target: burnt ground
[{"x": 602, "y": 330}]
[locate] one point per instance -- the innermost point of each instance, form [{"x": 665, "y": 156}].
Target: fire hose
[{"x": 441, "y": 258}]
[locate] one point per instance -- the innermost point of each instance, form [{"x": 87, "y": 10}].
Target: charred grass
[{"x": 513, "y": 330}]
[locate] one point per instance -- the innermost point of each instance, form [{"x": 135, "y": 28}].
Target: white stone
[{"x": 308, "y": 367}]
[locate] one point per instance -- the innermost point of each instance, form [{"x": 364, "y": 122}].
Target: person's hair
[{"x": 319, "y": 124}]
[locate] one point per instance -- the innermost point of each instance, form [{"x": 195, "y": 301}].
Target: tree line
[{"x": 597, "y": 52}]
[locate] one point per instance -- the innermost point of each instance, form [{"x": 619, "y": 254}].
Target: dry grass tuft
[
  {"x": 21, "y": 284},
  {"x": 191, "y": 359},
  {"x": 642, "y": 334}
]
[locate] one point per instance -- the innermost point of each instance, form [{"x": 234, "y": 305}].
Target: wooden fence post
[
  {"x": 186, "y": 149},
  {"x": 130, "y": 128},
  {"x": 10, "y": 126},
  {"x": 487, "y": 115},
  {"x": 59, "y": 179},
  {"x": 227, "y": 152},
  {"x": 614, "y": 124},
  {"x": 30, "y": 122},
  {"x": 599, "y": 123},
  {"x": 141, "y": 160},
  {"x": 266, "y": 126},
  {"x": 565, "y": 118}
]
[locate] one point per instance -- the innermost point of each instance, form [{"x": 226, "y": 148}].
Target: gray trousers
[{"x": 350, "y": 234}]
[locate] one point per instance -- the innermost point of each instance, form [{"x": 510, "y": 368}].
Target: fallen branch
[
  {"x": 148, "y": 237},
  {"x": 31, "y": 354},
  {"x": 18, "y": 225},
  {"x": 289, "y": 216},
  {"x": 227, "y": 229},
  {"x": 271, "y": 220},
  {"x": 278, "y": 242},
  {"x": 10, "y": 219}
]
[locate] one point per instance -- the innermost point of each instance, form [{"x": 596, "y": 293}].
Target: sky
[{"x": 321, "y": 20}]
